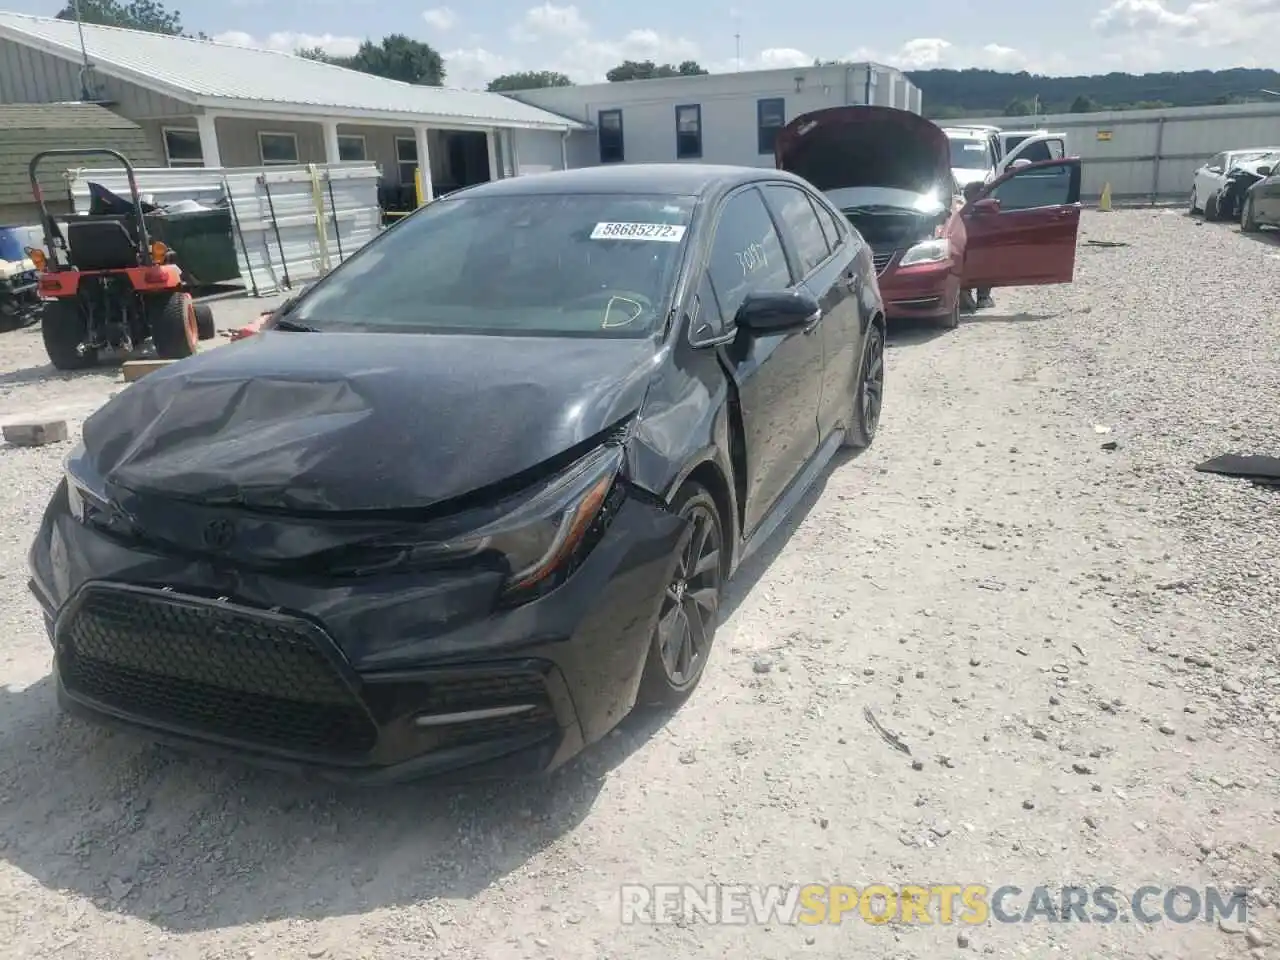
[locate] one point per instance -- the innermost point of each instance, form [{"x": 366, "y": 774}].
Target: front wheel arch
[{"x": 709, "y": 476}]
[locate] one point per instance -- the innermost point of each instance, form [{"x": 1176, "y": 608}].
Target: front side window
[
  {"x": 771, "y": 117},
  {"x": 746, "y": 254},
  {"x": 589, "y": 265},
  {"x": 688, "y": 132},
  {"x": 1038, "y": 187},
  {"x": 800, "y": 225},
  {"x": 612, "y": 149}
]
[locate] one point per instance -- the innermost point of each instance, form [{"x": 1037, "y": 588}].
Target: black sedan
[{"x": 464, "y": 502}]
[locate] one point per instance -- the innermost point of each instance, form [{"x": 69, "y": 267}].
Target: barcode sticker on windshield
[
  {"x": 662, "y": 232},
  {"x": 975, "y": 147}
]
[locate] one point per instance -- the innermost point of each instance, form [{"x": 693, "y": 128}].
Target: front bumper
[
  {"x": 365, "y": 680},
  {"x": 925, "y": 290}
]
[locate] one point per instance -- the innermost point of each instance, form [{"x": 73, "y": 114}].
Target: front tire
[
  {"x": 952, "y": 319},
  {"x": 689, "y": 614},
  {"x": 1211, "y": 208},
  {"x": 1195, "y": 205},
  {"x": 174, "y": 327},
  {"x": 63, "y": 329},
  {"x": 1248, "y": 220},
  {"x": 869, "y": 394}
]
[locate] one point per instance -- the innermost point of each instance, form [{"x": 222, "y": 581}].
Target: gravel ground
[{"x": 1077, "y": 644}]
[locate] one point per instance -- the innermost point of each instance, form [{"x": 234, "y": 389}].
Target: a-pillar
[
  {"x": 424, "y": 162},
  {"x": 331, "y": 152},
  {"x": 208, "y": 140}
]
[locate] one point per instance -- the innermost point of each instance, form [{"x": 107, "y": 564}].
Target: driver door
[{"x": 1021, "y": 228}]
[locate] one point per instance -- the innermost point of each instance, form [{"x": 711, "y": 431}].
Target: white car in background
[
  {"x": 1212, "y": 176},
  {"x": 980, "y": 154}
]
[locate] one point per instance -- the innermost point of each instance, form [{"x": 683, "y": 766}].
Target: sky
[{"x": 484, "y": 38}]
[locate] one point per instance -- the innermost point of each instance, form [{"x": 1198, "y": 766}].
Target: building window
[
  {"x": 406, "y": 159},
  {"x": 688, "y": 132},
  {"x": 276, "y": 148},
  {"x": 182, "y": 148},
  {"x": 351, "y": 147},
  {"x": 610, "y": 128},
  {"x": 771, "y": 116}
]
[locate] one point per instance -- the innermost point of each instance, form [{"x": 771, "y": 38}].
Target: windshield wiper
[
  {"x": 297, "y": 326},
  {"x": 877, "y": 208}
]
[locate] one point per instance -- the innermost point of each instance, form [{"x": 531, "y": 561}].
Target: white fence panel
[{"x": 290, "y": 224}]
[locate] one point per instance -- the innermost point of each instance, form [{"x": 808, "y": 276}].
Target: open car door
[
  {"x": 1020, "y": 229},
  {"x": 1042, "y": 146}
]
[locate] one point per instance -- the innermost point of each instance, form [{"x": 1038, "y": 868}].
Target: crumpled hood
[
  {"x": 865, "y": 146},
  {"x": 349, "y": 422}
]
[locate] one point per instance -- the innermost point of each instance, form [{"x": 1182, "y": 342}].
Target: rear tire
[
  {"x": 1248, "y": 222},
  {"x": 688, "y": 615},
  {"x": 1211, "y": 208},
  {"x": 174, "y": 328},
  {"x": 63, "y": 328},
  {"x": 204, "y": 322},
  {"x": 869, "y": 394}
]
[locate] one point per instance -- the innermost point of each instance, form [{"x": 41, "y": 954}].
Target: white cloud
[
  {"x": 287, "y": 42},
  {"x": 473, "y": 68},
  {"x": 440, "y": 18},
  {"x": 1206, "y": 34},
  {"x": 550, "y": 22}
]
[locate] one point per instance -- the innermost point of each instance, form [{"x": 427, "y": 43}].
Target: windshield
[
  {"x": 968, "y": 154},
  {"x": 585, "y": 265},
  {"x": 1249, "y": 156}
]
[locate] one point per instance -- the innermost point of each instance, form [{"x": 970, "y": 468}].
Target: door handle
[{"x": 811, "y": 324}]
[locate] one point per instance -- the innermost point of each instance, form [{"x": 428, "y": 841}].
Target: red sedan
[{"x": 889, "y": 171}]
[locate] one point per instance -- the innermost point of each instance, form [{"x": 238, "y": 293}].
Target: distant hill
[{"x": 972, "y": 93}]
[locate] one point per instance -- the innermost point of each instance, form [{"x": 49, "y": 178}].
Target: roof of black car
[{"x": 683, "y": 179}]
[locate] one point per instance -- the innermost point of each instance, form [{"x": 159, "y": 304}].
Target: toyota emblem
[{"x": 218, "y": 534}]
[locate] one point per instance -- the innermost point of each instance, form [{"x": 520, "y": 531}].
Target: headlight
[
  {"x": 82, "y": 500},
  {"x": 540, "y": 540},
  {"x": 931, "y": 251}
]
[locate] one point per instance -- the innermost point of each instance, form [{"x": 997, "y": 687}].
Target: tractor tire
[
  {"x": 174, "y": 326},
  {"x": 204, "y": 322},
  {"x": 63, "y": 329}
]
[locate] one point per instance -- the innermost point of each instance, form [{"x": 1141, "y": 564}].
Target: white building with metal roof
[{"x": 204, "y": 103}]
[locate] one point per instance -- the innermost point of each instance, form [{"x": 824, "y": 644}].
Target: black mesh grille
[
  {"x": 881, "y": 260},
  {"x": 214, "y": 669}
]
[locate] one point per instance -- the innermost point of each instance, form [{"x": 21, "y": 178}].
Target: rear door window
[{"x": 803, "y": 233}]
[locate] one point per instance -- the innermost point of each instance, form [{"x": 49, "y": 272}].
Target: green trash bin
[{"x": 201, "y": 242}]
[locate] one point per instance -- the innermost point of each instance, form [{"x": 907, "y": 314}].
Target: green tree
[
  {"x": 315, "y": 53},
  {"x": 648, "y": 70},
  {"x": 528, "y": 80},
  {"x": 148, "y": 15},
  {"x": 1082, "y": 104},
  {"x": 1017, "y": 107},
  {"x": 397, "y": 57}
]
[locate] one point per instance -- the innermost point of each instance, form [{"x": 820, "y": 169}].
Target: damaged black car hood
[{"x": 353, "y": 422}]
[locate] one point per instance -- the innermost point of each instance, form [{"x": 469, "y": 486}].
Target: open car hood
[
  {"x": 307, "y": 422},
  {"x": 842, "y": 147}
]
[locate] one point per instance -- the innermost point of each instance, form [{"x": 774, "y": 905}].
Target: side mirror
[
  {"x": 1020, "y": 162},
  {"x": 971, "y": 191},
  {"x": 776, "y": 312},
  {"x": 986, "y": 206},
  {"x": 1265, "y": 171}
]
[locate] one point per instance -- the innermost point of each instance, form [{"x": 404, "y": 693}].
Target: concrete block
[
  {"x": 35, "y": 434},
  {"x": 133, "y": 369}
]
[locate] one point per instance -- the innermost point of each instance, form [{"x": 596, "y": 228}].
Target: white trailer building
[{"x": 722, "y": 118}]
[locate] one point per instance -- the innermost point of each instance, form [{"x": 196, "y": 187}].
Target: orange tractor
[{"x": 106, "y": 285}]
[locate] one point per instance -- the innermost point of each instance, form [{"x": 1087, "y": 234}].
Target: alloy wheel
[
  {"x": 687, "y": 621},
  {"x": 872, "y": 392}
]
